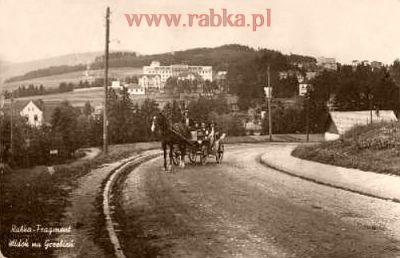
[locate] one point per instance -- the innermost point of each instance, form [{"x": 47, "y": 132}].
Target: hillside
[
  {"x": 95, "y": 96},
  {"x": 371, "y": 148},
  {"x": 74, "y": 77},
  {"x": 221, "y": 58},
  {"x": 8, "y": 69}
]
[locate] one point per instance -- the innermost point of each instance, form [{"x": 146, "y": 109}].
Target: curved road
[{"x": 242, "y": 208}]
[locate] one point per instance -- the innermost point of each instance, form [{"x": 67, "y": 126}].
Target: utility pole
[
  {"x": 12, "y": 127},
  {"x": 308, "y": 115},
  {"x": 370, "y": 106},
  {"x": 105, "y": 121},
  {"x": 269, "y": 97}
]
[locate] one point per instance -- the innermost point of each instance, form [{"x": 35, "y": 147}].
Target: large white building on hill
[
  {"x": 327, "y": 63},
  {"x": 176, "y": 70}
]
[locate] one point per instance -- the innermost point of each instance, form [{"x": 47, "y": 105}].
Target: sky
[{"x": 343, "y": 29}]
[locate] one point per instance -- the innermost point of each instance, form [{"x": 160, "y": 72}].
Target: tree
[
  {"x": 362, "y": 88},
  {"x": 231, "y": 124},
  {"x": 171, "y": 84},
  {"x": 83, "y": 130},
  {"x": 285, "y": 120},
  {"x": 120, "y": 117},
  {"x": 173, "y": 111},
  {"x": 19, "y": 155},
  {"x": 199, "y": 110},
  {"x": 95, "y": 130},
  {"x": 64, "y": 124},
  {"x": 247, "y": 78},
  {"x": 395, "y": 72},
  {"x": 88, "y": 109},
  {"x": 286, "y": 88},
  {"x": 147, "y": 111}
]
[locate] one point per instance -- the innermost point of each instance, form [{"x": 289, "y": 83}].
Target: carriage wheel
[
  {"x": 203, "y": 155},
  {"x": 220, "y": 154},
  {"x": 192, "y": 155},
  {"x": 176, "y": 154}
]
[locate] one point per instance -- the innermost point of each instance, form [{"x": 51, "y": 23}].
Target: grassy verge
[
  {"x": 35, "y": 196},
  {"x": 374, "y": 148},
  {"x": 275, "y": 138}
]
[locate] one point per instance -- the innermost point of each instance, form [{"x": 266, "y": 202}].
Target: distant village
[
  {"x": 153, "y": 80},
  {"x": 155, "y": 76}
]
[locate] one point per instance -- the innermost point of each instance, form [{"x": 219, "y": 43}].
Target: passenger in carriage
[
  {"x": 202, "y": 132},
  {"x": 211, "y": 136},
  {"x": 194, "y": 130}
]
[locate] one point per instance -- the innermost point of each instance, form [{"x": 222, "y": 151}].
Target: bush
[
  {"x": 285, "y": 120},
  {"x": 373, "y": 147},
  {"x": 376, "y": 136},
  {"x": 231, "y": 124}
]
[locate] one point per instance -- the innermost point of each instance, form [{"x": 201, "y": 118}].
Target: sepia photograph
[{"x": 202, "y": 128}]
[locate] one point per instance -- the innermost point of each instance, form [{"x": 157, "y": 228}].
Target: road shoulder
[{"x": 367, "y": 183}]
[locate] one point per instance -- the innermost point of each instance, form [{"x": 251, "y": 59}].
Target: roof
[
  {"x": 342, "y": 121},
  {"x": 133, "y": 86},
  {"x": 253, "y": 126},
  {"x": 149, "y": 75},
  {"x": 188, "y": 73},
  {"x": 18, "y": 105},
  {"x": 46, "y": 107}
]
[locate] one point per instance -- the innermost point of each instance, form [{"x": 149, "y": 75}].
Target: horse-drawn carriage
[
  {"x": 199, "y": 143},
  {"x": 200, "y": 148}
]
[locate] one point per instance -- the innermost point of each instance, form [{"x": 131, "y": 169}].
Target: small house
[
  {"x": 116, "y": 85},
  {"x": 253, "y": 128},
  {"x": 34, "y": 114}
]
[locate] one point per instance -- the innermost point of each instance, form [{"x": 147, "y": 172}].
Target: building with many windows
[
  {"x": 150, "y": 81},
  {"x": 135, "y": 89},
  {"x": 165, "y": 72},
  {"x": 327, "y": 63}
]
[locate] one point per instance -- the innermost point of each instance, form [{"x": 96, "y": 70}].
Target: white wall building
[
  {"x": 303, "y": 88},
  {"x": 135, "y": 89},
  {"x": 175, "y": 70},
  {"x": 327, "y": 63},
  {"x": 150, "y": 81},
  {"x": 188, "y": 76},
  {"x": 116, "y": 85},
  {"x": 33, "y": 113}
]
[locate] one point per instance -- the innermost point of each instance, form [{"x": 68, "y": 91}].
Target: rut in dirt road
[{"x": 244, "y": 209}]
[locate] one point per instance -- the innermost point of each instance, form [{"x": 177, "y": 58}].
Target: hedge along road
[{"x": 242, "y": 208}]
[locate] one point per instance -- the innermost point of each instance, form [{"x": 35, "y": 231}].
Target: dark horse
[{"x": 172, "y": 135}]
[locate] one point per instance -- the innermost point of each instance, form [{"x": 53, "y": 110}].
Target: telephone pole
[
  {"x": 12, "y": 128},
  {"x": 308, "y": 116},
  {"x": 105, "y": 121},
  {"x": 269, "y": 106}
]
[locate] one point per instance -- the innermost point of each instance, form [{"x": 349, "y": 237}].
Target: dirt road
[{"x": 242, "y": 208}]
